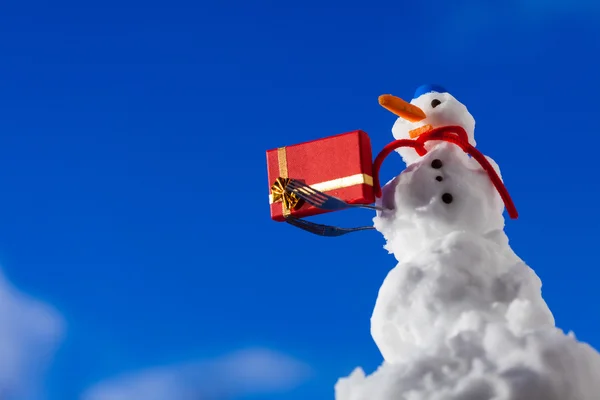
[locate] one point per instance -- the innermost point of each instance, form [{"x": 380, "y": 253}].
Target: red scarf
[{"x": 451, "y": 134}]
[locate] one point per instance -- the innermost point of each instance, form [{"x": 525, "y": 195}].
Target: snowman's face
[
  {"x": 441, "y": 109},
  {"x": 442, "y": 192}
]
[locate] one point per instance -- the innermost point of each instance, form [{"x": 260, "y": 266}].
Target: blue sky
[{"x": 133, "y": 138}]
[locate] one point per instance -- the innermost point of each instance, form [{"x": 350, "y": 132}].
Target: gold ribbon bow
[{"x": 290, "y": 200}]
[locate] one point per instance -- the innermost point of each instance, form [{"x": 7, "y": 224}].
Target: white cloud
[
  {"x": 30, "y": 332},
  {"x": 253, "y": 371}
]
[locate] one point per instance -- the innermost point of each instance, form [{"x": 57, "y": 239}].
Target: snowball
[
  {"x": 415, "y": 199},
  {"x": 460, "y": 283},
  {"x": 449, "y": 112}
]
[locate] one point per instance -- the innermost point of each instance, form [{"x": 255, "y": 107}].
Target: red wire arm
[
  {"x": 452, "y": 134},
  {"x": 418, "y": 145},
  {"x": 386, "y": 152}
]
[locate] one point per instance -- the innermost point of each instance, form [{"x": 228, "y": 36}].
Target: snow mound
[
  {"x": 493, "y": 364},
  {"x": 461, "y": 317}
]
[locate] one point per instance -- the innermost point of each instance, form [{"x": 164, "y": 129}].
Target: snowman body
[{"x": 443, "y": 222}]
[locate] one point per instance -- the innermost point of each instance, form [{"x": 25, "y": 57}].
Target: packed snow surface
[{"x": 461, "y": 317}]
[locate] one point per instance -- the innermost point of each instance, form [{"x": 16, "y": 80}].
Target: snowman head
[{"x": 431, "y": 107}]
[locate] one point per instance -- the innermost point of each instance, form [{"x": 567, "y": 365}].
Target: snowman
[{"x": 461, "y": 316}]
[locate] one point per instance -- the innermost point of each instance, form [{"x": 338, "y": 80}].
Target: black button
[
  {"x": 437, "y": 164},
  {"x": 447, "y": 198},
  {"x": 435, "y": 103},
  {"x": 439, "y": 178}
]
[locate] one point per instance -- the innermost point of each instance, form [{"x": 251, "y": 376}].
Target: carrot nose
[
  {"x": 402, "y": 108},
  {"x": 415, "y": 133}
]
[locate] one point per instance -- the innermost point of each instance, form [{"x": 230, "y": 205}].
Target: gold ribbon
[
  {"x": 339, "y": 183},
  {"x": 290, "y": 200}
]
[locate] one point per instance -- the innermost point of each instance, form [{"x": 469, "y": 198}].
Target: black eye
[
  {"x": 435, "y": 103},
  {"x": 437, "y": 164}
]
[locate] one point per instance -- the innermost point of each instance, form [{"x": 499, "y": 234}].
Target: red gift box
[{"x": 339, "y": 165}]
